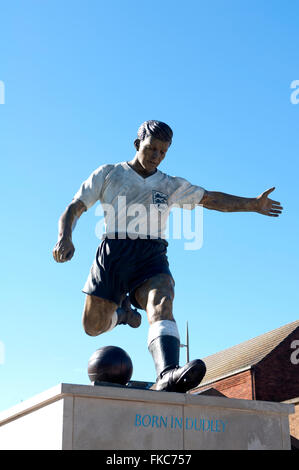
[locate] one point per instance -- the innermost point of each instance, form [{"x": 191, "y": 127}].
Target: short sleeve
[
  {"x": 90, "y": 190},
  {"x": 186, "y": 194}
]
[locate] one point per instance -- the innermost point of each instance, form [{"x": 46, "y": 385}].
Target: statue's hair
[{"x": 157, "y": 129}]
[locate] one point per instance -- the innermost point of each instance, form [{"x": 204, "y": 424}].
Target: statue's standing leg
[{"x": 156, "y": 297}]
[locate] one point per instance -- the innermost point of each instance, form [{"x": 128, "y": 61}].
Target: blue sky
[{"x": 80, "y": 77}]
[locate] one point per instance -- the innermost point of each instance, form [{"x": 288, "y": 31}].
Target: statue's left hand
[{"x": 267, "y": 206}]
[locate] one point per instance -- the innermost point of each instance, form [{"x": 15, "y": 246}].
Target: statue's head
[
  {"x": 157, "y": 129},
  {"x": 153, "y": 140}
]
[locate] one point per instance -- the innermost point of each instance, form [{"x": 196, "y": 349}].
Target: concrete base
[{"x": 82, "y": 417}]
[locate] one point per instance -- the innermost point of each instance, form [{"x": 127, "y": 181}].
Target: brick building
[{"x": 263, "y": 368}]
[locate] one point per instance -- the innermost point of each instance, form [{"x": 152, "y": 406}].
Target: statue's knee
[
  {"x": 96, "y": 328},
  {"x": 90, "y": 329},
  {"x": 95, "y": 321}
]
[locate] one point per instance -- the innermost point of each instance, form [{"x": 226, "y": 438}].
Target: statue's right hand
[{"x": 63, "y": 250}]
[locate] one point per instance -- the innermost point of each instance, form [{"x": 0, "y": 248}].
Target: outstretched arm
[
  {"x": 227, "y": 203},
  {"x": 64, "y": 248}
]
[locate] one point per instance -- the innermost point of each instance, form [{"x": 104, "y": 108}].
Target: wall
[
  {"x": 277, "y": 375},
  {"x": 235, "y": 386},
  {"x": 294, "y": 420}
]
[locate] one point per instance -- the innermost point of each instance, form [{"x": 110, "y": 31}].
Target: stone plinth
[{"x": 82, "y": 417}]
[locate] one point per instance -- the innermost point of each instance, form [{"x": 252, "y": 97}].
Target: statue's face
[{"x": 151, "y": 152}]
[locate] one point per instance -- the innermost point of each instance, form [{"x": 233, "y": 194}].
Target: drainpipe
[{"x": 253, "y": 392}]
